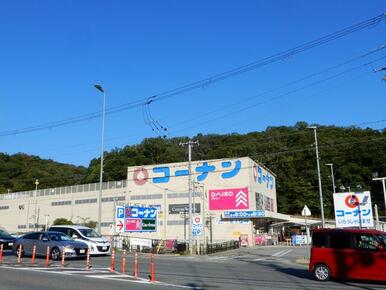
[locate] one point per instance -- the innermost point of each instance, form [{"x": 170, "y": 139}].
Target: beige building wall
[{"x": 164, "y": 186}]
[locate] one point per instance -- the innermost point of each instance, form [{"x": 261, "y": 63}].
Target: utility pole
[
  {"x": 190, "y": 144},
  {"x": 36, "y": 203},
  {"x": 37, "y": 219},
  {"x": 376, "y": 217},
  {"x": 210, "y": 228},
  {"x": 27, "y": 222},
  {"x": 319, "y": 178},
  {"x": 164, "y": 213},
  {"x": 383, "y": 179},
  {"x": 332, "y": 176}
]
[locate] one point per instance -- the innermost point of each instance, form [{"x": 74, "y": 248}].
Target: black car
[{"x": 6, "y": 240}]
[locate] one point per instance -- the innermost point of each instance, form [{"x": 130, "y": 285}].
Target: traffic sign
[
  {"x": 120, "y": 226},
  {"x": 120, "y": 212},
  {"x": 306, "y": 211},
  {"x": 119, "y": 219}
]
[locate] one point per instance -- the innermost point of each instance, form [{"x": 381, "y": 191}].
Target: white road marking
[
  {"x": 275, "y": 255},
  {"x": 282, "y": 253},
  {"x": 97, "y": 274}
]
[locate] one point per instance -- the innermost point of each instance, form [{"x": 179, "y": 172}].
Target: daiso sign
[{"x": 230, "y": 198}]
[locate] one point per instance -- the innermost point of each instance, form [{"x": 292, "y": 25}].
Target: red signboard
[
  {"x": 133, "y": 224},
  {"x": 230, "y": 198}
]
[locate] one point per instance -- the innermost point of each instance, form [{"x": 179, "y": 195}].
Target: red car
[{"x": 348, "y": 254}]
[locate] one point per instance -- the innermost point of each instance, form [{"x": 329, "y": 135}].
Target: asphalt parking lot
[{"x": 247, "y": 268}]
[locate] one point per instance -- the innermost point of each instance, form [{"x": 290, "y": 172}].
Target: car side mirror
[
  {"x": 44, "y": 240},
  {"x": 380, "y": 248}
]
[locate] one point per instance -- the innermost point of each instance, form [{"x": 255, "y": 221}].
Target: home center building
[{"x": 232, "y": 196}]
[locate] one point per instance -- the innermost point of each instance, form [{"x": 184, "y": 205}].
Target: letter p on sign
[{"x": 120, "y": 212}]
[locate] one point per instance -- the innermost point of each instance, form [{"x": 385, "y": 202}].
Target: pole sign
[
  {"x": 353, "y": 210},
  {"x": 120, "y": 219},
  {"x": 197, "y": 226},
  {"x": 136, "y": 219}
]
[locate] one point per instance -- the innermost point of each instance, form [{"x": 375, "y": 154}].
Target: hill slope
[{"x": 357, "y": 155}]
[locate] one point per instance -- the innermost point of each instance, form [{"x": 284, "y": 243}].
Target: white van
[{"x": 96, "y": 243}]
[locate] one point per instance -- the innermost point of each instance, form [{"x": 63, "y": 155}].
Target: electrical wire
[{"x": 372, "y": 22}]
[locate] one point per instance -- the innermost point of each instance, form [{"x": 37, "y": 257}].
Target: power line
[
  {"x": 149, "y": 120},
  {"x": 209, "y": 80},
  {"x": 289, "y": 92},
  {"x": 287, "y": 84}
]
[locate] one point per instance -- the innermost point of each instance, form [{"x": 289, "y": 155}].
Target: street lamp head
[
  {"x": 311, "y": 127},
  {"x": 329, "y": 164},
  {"x": 99, "y": 88}
]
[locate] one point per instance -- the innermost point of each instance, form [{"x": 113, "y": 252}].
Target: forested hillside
[
  {"x": 357, "y": 155},
  {"x": 18, "y": 172}
]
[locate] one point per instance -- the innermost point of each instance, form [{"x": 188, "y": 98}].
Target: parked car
[
  {"x": 57, "y": 241},
  {"x": 348, "y": 254},
  {"x": 6, "y": 239},
  {"x": 97, "y": 244}
]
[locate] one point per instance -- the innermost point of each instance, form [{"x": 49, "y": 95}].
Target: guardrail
[{"x": 219, "y": 247}]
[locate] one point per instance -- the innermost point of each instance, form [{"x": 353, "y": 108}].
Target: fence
[{"x": 219, "y": 247}]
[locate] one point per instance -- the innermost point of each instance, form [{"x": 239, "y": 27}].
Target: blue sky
[{"x": 53, "y": 52}]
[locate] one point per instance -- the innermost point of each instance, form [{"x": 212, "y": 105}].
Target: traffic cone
[
  {"x": 88, "y": 260},
  {"x": 124, "y": 261},
  {"x": 152, "y": 269},
  {"x": 19, "y": 254},
  {"x": 33, "y": 254},
  {"x": 63, "y": 250},
  {"x": 48, "y": 256},
  {"x": 112, "y": 267},
  {"x": 135, "y": 265}
]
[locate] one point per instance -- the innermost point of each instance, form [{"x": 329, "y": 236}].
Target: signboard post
[
  {"x": 136, "y": 219},
  {"x": 353, "y": 210},
  {"x": 197, "y": 226},
  {"x": 306, "y": 212}
]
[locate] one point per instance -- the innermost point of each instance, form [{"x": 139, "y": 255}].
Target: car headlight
[{"x": 69, "y": 248}]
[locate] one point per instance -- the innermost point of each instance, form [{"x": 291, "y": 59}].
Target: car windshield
[
  {"x": 4, "y": 233},
  {"x": 59, "y": 237},
  {"x": 382, "y": 238},
  {"x": 89, "y": 233}
]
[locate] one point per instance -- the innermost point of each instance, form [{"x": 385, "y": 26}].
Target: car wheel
[
  {"x": 322, "y": 272},
  {"x": 20, "y": 247},
  {"x": 55, "y": 254}
]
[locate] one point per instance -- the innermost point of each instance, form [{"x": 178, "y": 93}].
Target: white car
[{"x": 96, "y": 243}]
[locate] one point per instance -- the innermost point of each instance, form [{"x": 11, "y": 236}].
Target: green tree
[{"x": 61, "y": 221}]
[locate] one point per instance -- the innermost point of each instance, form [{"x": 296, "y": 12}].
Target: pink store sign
[{"x": 230, "y": 198}]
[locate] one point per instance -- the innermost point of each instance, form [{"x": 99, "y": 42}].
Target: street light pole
[
  {"x": 99, "y": 88},
  {"x": 383, "y": 179},
  {"x": 319, "y": 178},
  {"x": 332, "y": 176}
]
